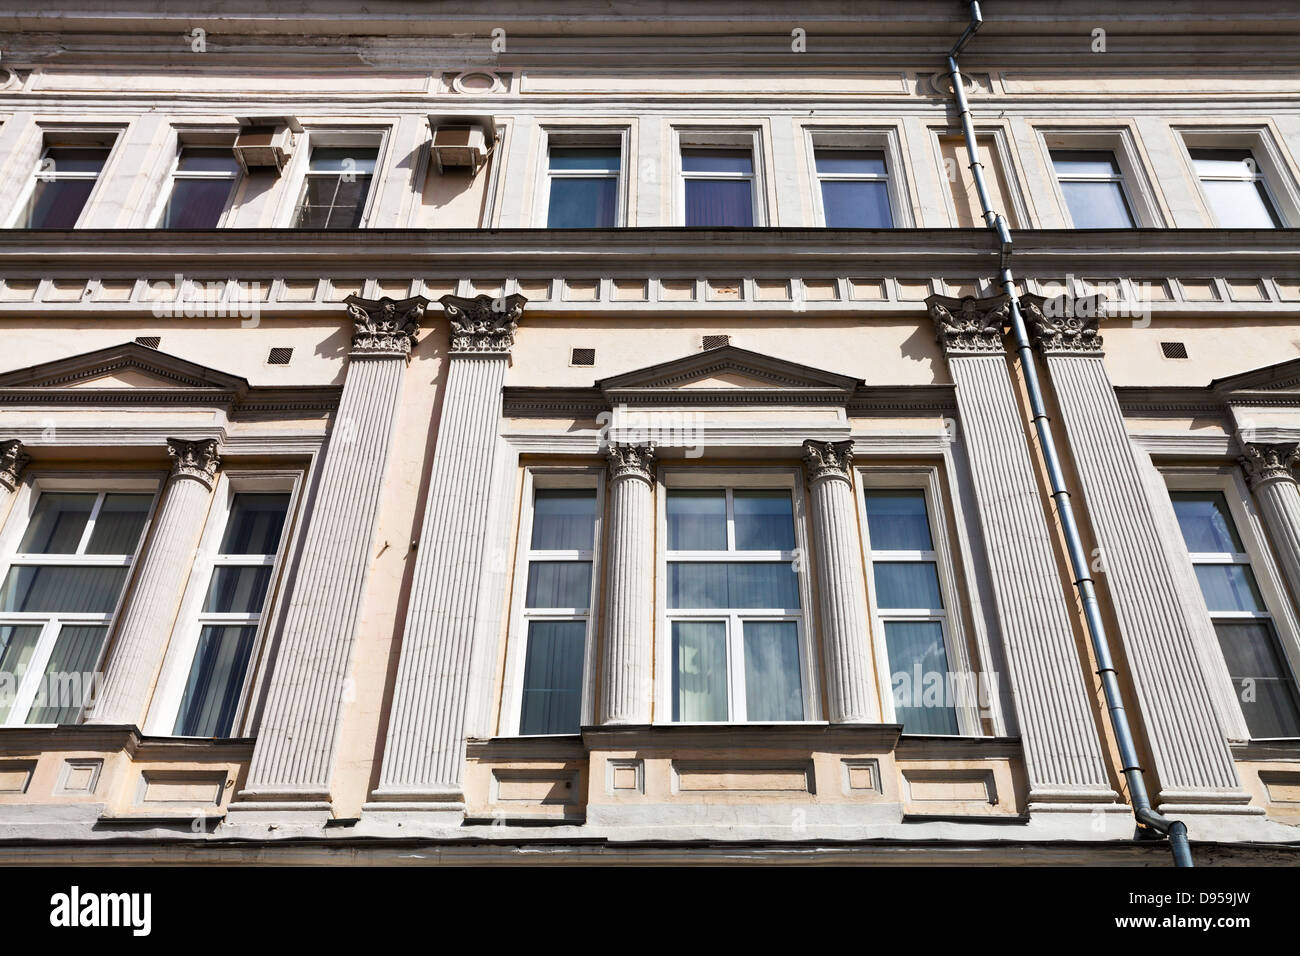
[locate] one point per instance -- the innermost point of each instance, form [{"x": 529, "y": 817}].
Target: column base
[
  {"x": 436, "y": 807},
  {"x": 297, "y": 808}
]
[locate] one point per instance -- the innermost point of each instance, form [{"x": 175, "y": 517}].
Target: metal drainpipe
[{"x": 1145, "y": 814}]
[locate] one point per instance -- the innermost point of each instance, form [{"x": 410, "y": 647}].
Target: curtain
[
  {"x": 1262, "y": 680},
  {"x": 562, "y": 584},
  {"x": 564, "y": 519},
  {"x": 237, "y": 589},
  {"x": 896, "y": 521},
  {"x": 69, "y": 675},
  {"x": 583, "y": 203},
  {"x": 856, "y": 205},
  {"x": 1229, "y": 587},
  {"x": 57, "y": 523},
  {"x": 773, "y": 687},
  {"x": 907, "y": 584},
  {"x": 699, "y": 670},
  {"x": 17, "y": 644},
  {"x": 216, "y": 681},
  {"x": 737, "y": 584},
  {"x": 764, "y": 520},
  {"x": 697, "y": 520},
  {"x": 255, "y": 524},
  {"x": 1203, "y": 519},
  {"x": 552, "y": 697},
  {"x": 919, "y": 676},
  {"x": 197, "y": 203},
  {"x": 719, "y": 202},
  {"x": 119, "y": 523},
  {"x": 67, "y": 589}
]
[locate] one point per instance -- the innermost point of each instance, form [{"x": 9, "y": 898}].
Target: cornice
[{"x": 522, "y": 401}]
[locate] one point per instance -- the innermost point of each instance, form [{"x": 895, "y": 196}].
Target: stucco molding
[
  {"x": 384, "y": 327},
  {"x": 827, "y": 459},
  {"x": 969, "y": 326},
  {"x": 1265, "y": 462},
  {"x": 194, "y": 459},
  {"x": 1065, "y": 325},
  {"x": 631, "y": 461},
  {"x": 12, "y": 462},
  {"x": 484, "y": 324}
]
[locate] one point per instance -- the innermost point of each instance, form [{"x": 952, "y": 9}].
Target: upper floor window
[
  {"x": 337, "y": 187},
  {"x": 65, "y": 177},
  {"x": 1235, "y": 188},
  {"x": 734, "y": 609},
  {"x": 62, "y": 587},
  {"x": 1264, "y": 684},
  {"x": 202, "y": 184},
  {"x": 1093, "y": 186},
  {"x": 718, "y": 186},
  {"x": 854, "y": 188},
  {"x": 583, "y": 187}
]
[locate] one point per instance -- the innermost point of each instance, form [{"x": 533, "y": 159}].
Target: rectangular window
[
  {"x": 735, "y": 615},
  {"x": 65, "y": 177},
  {"x": 231, "y": 611},
  {"x": 557, "y": 609},
  {"x": 583, "y": 187},
  {"x": 1093, "y": 186},
  {"x": 202, "y": 183},
  {"x": 907, "y": 603},
  {"x": 719, "y": 186},
  {"x": 855, "y": 188},
  {"x": 1235, "y": 189},
  {"x": 59, "y": 595},
  {"x": 337, "y": 186},
  {"x": 1264, "y": 684}
]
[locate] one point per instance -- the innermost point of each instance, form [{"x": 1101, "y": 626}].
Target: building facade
[{"x": 487, "y": 434}]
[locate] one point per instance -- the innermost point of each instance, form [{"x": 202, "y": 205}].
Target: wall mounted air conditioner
[
  {"x": 461, "y": 142},
  {"x": 265, "y": 141}
]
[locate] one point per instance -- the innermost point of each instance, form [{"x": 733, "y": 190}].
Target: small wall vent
[
  {"x": 716, "y": 341},
  {"x": 148, "y": 341},
  {"x": 1174, "y": 350},
  {"x": 279, "y": 356},
  {"x": 583, "y": 357}
]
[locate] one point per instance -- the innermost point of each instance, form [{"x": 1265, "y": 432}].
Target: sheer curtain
[
  {"x": 216, "y": 681},
  {"x": 552, "y": 697},
  {"x": 773, "y": 685},
  {"x": 69, "y": 675},
  {"x": 920, "y": 678},
  {"x": 700, "y": 670},
  {"x": 564, "y": 520},
  {"x": 719, "y": 202},
  {"x": 17, "y": 644}
]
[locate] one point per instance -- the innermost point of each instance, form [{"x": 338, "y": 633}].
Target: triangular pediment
[
  {"x": 1282, "y": 377},
  {"x": 129, "y": 366}
]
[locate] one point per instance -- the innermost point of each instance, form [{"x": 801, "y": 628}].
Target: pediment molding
[{"x": 1283, "y": 376}]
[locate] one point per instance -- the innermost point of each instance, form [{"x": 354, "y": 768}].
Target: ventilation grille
[
  {"x": 1174, "y": 349},
  {"x": 583, "y": 357},
  {"x": 716, "y": 341},
  {"x": 148, "y": 341},
  {"x": 279, "y": 356}
]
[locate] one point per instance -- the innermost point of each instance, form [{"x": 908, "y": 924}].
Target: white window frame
[
  {"x": 1135, "y": 183},
  {"x": 73, "y": 138},
  {"x": 512, "y": 696},
  {"x": 715, "y": 137},
  {"x": 16, "y": 525},
  {"x": 371, "y": 137},
  {"x": 174, "y": 174},
  {"x": 1268, "y": 578},
  {"x": 857, "y": 138},
  {"x": 789, "y": 479},
  {"x": 165, "y": 706},
  {"x": 565, "y": 137},
  {"x": 950, "y": 618},
  {"x": 1272, "y": 169}
]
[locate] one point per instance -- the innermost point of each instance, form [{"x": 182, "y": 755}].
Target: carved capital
[
  {"x": 1064, "y": 324},
  {"x": 483, "y": 325},
  {"x": 631, "y": 461},
  {"x": 827, "y": 459},
  {"x": 1264, "y": 462},
  {"x": 12, "y": 463},
  {"x": 385, "y": 328},
  {"x": 969, "y": 326},
  {"x": 194, "y": 459}
]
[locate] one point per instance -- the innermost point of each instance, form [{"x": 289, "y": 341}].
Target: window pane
[
  {"x": 119, "y": 523},
  {"x": 343, "y": 159},
  {"x": 697, "y": 520},
  {"x": 579, "y": 203},
  {"x": 739, "y": 161},
  {"x": 1261, "y": 679},
  {"x": 897, "y": 521},
  {"x": 699, "y": 670},
  {"x": 216, "y": 681},
  {"x": 69, "y": 675},
  {"x": 255, "y": 524},
  {"x": 197, "y": 203},
  {"x": 565, "y": 584},
  {"x": 907, "y": 584},
  {"x": 70, "y": 590},
  {"x": 861, "y": 162},
  {"x": 17, "y": 644},
  {"x": 237, "y": 590},
  {"x": 773, "y": 687},
  {"x": 1084, "y": 162},
  {"x": 1229, "y": 587},
  {"x": 74, "y": 159},
  {"x": 585, "y": 158},
  {"x": 764, "y": 520},
  {"x": 349, "y": 202},
  {"x": 1239, "y": 163},
  {"x": 208, "y": 160},
  {"x": 919, "y": 677},
  {"x": 1206, "y": 522},
  {"x": 1240, "y": 205},
  {"x": 57, "y": 523},
  {"x": 57, "y": 204},
  {"x": 564, "y": 519},
  {"x": 856, "y": 205},
  {"x": 770, "y": 585},
  {"x": 711, "y": 202},
  {"x": 552, "y": 698},
  {"x": 1097, "y": 205}
]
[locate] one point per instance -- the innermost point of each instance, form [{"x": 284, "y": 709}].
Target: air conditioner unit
[
  {"x": 461, "y": 142},
  {"x": 265, "y": 142}
]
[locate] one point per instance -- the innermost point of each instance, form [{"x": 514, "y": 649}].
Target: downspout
[{"x": 1145, "y": 814}]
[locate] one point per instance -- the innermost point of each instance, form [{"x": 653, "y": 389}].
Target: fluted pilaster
[{"x": 1271, "y": 471}]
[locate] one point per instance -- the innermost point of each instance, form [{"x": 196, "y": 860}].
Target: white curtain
[{"x": 699, "y": 670}]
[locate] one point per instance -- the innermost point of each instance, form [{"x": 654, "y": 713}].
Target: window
[
  {"x": 1093, "y": 187},
  {"x": 583, "y": 187},
  {"x": 854, "y": 188},
  {"x": 202, "y": 183},
  {"x": 231, "y": 611},
  {"x": 336, "y": 188},
  {"x": 64, "y": 180},
  {"x": 60, "y": 592},
  {"x": 734, "y": 610},
  {"x": 907, "y": 604},
  {"x": 557, "y": 608},
  {"x": 1265, "y": 687},
  {"x": 719, "y": 186},
  {"x": 1235, "y": 189}
]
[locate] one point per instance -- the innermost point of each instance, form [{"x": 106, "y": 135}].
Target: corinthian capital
[
  {"x": 827, "y": 459},
  {"x": 12, "y": 463},
  {"x": 194, "y": 459},
  {"x": 969, "y": 325},
  {"x": 385, "y": 327},
  {"x": 1265, "y": 462},
  {"x": 1064, "y": 324},
  {"x": 483, "y": 325},
  {"x": 631, "y": 461}
]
